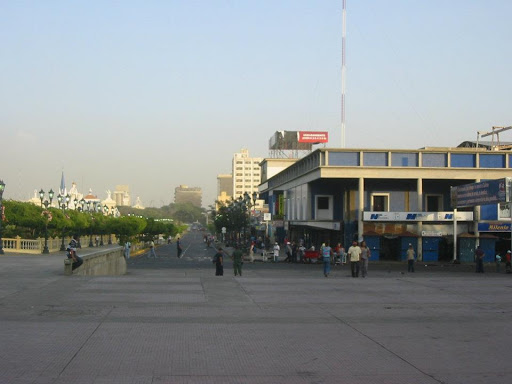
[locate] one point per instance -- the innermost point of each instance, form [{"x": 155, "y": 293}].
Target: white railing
[{"x": 19, "y": 245}]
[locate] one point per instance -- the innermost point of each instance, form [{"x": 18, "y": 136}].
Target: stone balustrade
[{"x": 103, "y": 262}]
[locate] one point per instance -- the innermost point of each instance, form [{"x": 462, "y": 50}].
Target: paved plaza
[{"x": 171, "y": 320}]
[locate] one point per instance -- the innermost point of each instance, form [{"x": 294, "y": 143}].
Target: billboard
[
  {"x": 313, "y": 137},
  {"x": 297, "y": 140},
  {"x": 483, "y": 193}
]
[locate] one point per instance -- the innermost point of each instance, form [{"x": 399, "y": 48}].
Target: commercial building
[
  {"x": 389, "y": 198},
  {"x": 246, "y": 173},
  {"x": 186, "y": 194}
]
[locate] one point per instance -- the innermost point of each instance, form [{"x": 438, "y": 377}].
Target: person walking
[
  {"x": 341, "y": 257},
  {"x": 178, "y": 247},
  {"x": 218, "y": 259},
  {"x": 508, "y": 263},
  {"x": 354, "y": 253},
  {"x": 276, "y": 252},
  {"x": 127, "y": 247},
  {"x": 288, "y": 252},
  {"x": 365, "y": 255},
  {"x": 152, "y": 252},
  {"x": 479, "y": 258},
  {"x": 301, "y": 251},
  {"x": 326, "y": 252},
  {"x": 411, "y": 256},
  {"x": 498, "y": 263},
  {"x": 238, "y": 261},
  {"x": 251, "y": 252}
]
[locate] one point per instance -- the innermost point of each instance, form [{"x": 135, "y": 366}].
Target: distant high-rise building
[
  {"x": 122, "y": 195},
  {"x": 224, "y": 188},
  {"x": 186, "y": 194},
  {"x": 246, "y": 173}
]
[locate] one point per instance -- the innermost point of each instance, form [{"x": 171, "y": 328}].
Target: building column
[
  {"x": 419, "y": 188},
  {"x": 361, "y": 209}
]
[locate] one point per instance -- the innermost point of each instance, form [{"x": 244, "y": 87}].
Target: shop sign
[
  {"x": 416, "y": 216},
  {"x": 493, "y": 227},
  {"x": 278, "y": 223},
  {"x": 431, "y": 234}
]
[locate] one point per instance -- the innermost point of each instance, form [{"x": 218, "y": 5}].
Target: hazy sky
[{"x": 154, "y": 94}]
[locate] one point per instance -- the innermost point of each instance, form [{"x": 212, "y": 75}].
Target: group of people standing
[
  {"x": 358, "y": 255},
  {"x": 236, "y": 256}
]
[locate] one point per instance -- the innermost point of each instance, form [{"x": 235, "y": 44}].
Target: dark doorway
[
  {"x": 446, "y": 249},
  {"x": 390, "y": 248},
  {"x": 502, "y": 246}
]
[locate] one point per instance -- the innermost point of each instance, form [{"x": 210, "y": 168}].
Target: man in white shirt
[
  {"x": 354, "y": 253},
  {"x": 276, "y": 252}
]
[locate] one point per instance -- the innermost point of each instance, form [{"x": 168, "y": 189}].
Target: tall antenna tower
[{"x": 343, "y": 71}]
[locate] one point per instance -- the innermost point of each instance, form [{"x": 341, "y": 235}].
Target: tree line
[{"x": 30, "y": 221}]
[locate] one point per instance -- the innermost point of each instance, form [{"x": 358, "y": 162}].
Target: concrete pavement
[{"x": 171, "y": 320}]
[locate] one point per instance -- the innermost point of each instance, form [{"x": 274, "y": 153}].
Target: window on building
[
  {"x": 322, "y": 202},
  {"x": 380, "y": 203},
  {"x": 434, "y": 203}
]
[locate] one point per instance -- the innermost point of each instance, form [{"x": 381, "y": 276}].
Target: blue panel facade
[
  {"x": 348, "y": 159},
  {"x": 492, "y": 161},
  {"x": 431, "y": 248},
  {"x": 467, "y": 247},
  {"x": 397, "y": 201},
  {"x": 375, "y": 159},
  {"x": 373, "y": 242},
  {"x": 404, "y": 159},
  {"x": 434, "y": 160},
  {"x": 463, "y": 160},
  {"x": 488, "y": 246},
  {"x": 489, "y": 212}
]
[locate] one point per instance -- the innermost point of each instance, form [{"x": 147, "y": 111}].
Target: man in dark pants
[
  {"x": 354, "y": 254},
  {"x": 479, "y": 258},
  {"x": 178, "y": 247},
  {"x": 238, "y": 258},
  {"x": 218, "y": 259}
]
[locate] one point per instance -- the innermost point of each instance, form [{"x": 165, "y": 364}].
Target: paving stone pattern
[{"x": 171, "y": 320}]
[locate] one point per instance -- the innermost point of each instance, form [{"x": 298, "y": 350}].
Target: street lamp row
[{"x": 2, "y": 188}]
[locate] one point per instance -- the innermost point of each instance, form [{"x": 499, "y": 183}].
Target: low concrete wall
[{"x": 105, "y": 262}]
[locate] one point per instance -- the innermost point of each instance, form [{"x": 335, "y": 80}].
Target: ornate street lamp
[
  {"x": 46, "y": 203},
  {"x": 63, "y": 204},
  {"x": 2, "y": 188},
  {"x": 89, "y": 209}
]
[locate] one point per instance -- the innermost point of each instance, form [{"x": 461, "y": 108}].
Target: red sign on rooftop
[{"x": 313, "y": 137}]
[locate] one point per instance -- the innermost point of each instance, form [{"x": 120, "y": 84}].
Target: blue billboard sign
[
  {"x": 493, "y": 227},
  {"x": 483, "y": 193}
]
